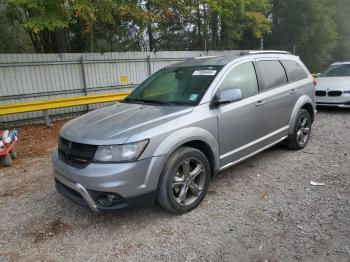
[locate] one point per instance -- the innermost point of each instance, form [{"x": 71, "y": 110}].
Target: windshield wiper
[
  {"x": 148, "y": 101},
  {"x": 153, "y": 101},
  {"x": 133, "y": 100}
]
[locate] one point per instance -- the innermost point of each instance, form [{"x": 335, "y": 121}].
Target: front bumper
[
  {"x": 131, "y": 184},
  {"x": 77, "y": 193},
  {"x": 333, "y": 101}
]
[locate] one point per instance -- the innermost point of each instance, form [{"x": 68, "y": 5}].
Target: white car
[{"x": 333, "y": 86}]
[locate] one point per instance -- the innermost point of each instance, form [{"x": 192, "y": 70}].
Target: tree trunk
[
  {"x": 214, "y": 30},
  {"x": 59, "y": 41},
  {"x": 150, "y": 38},
  {"x": 199, "y": 27},
  {"x": 149, "y": 31}
]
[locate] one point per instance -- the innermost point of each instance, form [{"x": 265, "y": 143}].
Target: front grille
[
  {"x": 75, "y": 154},
  {"x": 335, "y": 93},
  {"x": 321, "y": 93}
]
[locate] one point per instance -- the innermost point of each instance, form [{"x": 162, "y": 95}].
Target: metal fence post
[
  {"x": 84, "y": 80},
  {"x": 149, "y": 66},
  {"x": 47, "y": 118}
]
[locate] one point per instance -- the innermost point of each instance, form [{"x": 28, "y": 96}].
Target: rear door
[
  {"x": 298, "y": 80},
  {"x": 277, "y": 93}
]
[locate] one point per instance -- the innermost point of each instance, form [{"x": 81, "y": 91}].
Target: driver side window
[{"x": 242, "y": 77}]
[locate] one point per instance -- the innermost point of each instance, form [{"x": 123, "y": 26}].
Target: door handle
[
  {"x": 260, "y": 103},
  {"x": 293, "y": 91}
]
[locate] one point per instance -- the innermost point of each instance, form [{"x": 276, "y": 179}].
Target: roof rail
[
  {"x": 204, "y": 57},
  {"x": 260, "y": 52},
  {"x": 341, "y": 62}
]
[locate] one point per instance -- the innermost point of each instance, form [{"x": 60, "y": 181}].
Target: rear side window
[
  {"x": 294, "y": 71},
  {"x": 242, "y": 77},
  {"x": 272, "y": 74}
]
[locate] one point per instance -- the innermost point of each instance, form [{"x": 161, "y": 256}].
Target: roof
[
  {"x": 223, "y": 60},
  {"x": 206, "y": 61}
]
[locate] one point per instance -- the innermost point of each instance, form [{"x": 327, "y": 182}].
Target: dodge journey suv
[{"x": 180, "y": 127}]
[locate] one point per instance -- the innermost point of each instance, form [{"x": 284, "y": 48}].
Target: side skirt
[{"x": 252, "y": 154}]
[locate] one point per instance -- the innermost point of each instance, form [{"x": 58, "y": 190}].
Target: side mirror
[
  {"x": 227, "y": 96},
  {"x": 317, "y": 75}
]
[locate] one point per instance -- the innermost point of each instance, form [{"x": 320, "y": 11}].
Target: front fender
[
  {"x": 183, "y": 136},
  {"x": 303, "y": 100}
]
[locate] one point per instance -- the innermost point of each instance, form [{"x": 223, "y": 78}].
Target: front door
[{"x": 247, "y": 126}]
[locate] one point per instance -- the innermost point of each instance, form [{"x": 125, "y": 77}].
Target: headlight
[{"x": 120, "y": 153}]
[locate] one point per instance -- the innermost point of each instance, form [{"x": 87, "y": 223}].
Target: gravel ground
[{"x": 261, "y": 210}]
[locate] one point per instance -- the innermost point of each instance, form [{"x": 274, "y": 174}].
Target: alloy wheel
[
  {"x": 188, "y": 181},
  {"x": 304, "y": 127}
]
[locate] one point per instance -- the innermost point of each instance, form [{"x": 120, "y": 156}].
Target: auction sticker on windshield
[
  {"x": 204, "y": 73},
  {"x": 193, "y": 97}
]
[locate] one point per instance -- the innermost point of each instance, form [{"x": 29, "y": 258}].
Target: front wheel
[
  {"x": 7, "y": 160},
  {"x": 184, "y": 181},
  {"x": 302, "y": 130}
]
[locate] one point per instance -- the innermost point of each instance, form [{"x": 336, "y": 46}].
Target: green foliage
[
  {"x": 341, "y": 18},
  {"x": 307, "y": 27},
  {"x": 238, "y": 17},
  {"x": 38, "y": 15},
  {"x": 13, "y": 37},
  {"x": 318, "y": 30}
]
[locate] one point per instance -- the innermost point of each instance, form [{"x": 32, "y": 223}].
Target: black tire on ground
[
  {"x": 302, "y": 131},
  {"x": 13, "y": 153},
  {"x": 7, "y": 160},
  {"x": 184, "y": 180}
]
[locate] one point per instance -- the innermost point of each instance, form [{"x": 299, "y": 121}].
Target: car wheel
[
  {"x": 302, "y": 130},
  {"x": 7, "y": 160},
  {"x": 184, "y": 181}
]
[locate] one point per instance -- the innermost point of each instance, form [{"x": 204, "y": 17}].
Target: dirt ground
[{"x": 263, "y": 209}]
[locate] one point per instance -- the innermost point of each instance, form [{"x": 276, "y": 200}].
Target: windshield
[
  {"x": 175, "y": 85},
  {"x": 337, "y": 71}
]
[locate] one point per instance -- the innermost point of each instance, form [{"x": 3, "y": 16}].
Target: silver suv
[{"x": 180, "y": 127}]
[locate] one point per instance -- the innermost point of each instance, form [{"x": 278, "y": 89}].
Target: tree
[
  {"x": 341, "y": 18},
  {"x": 306, "y": 27},
  {"x": 237, "y": 18},
  {"x": 13, "y": 38},
  {"x": 46, "y": 21},
  {"x": 200, "y": 24}
]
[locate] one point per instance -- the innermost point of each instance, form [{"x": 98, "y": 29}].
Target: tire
[
  {"x": 7, "y": 160},
  {"x": 13, "y": 153},
  {"x": 184, "y": 181},
  {"x": 302, "y": 131}
]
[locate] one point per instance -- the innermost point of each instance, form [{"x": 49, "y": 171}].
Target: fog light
[{"x": 108, "y": 199}]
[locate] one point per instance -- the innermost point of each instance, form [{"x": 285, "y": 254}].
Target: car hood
[
  {"x": 333, "y": 83},
  {"x": 116, "y": 123}
]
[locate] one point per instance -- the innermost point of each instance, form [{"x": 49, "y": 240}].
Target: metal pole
[
  {"x": 47, "y": 118},
  {"x": 149, "y": 65},
  {"x": 262, "y": 43},
  {"x": 84, "y": 80}
]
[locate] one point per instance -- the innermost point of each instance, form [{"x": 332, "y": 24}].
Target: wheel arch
[
  {"x": 310, "y": 109},
  {"x": 304, "y": 102},
  {"x": 206, "y": 150},
  {"x": 194, "y": 137}
]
